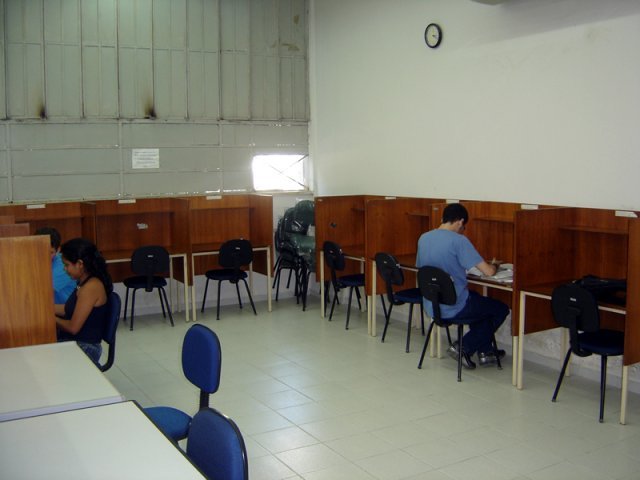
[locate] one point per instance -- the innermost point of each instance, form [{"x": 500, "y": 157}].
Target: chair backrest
[
  {"x": 148, "y": 261},
  {"x": 202, "y": 360},
  {"x": 575, "y": 308},
  {"x": 109, "y": 336},
  {"x": 215, "y": 445},
  {"x": 390, "y": 271},
  {"x": 236, "y": 253},
  {"x": 436, "y": 286}
]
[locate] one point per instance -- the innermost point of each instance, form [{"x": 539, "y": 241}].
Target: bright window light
[{"x": 278, "y": 172}]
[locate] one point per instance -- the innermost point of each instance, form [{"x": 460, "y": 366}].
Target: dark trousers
[{"x": 484, "y": 316}]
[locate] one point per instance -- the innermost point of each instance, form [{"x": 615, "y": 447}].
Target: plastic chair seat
[
  {"x": 222, "y": 274},
  {"x": 353, "y": 280},
  {"x": 409, "y": 295},
  {"x": 603, "y": 342},
  {"x": 175, "y": 423},
  {"x": 140, "y": 281}
]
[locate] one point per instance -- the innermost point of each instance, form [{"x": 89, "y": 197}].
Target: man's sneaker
[
  {"x": 489, "y": 358},
  {"x": 467, "y": 363}
]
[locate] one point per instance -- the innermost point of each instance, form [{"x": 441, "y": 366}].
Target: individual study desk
[
  {"x": 266, "y": 249},
  {"x": 108, "y": 441},
  {"x": 49, "y": 378}
]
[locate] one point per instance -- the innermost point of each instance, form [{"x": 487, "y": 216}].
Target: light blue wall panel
[
  {"x": 181, "y": 183},
  {"x": 41, "y": 135},
  {"x": 3, "y": 98},
  {"x": 157, "y": 135},
  {"x": 181, "y": 159},
  {"x": 69, "y": 161},
  {"x": 99, "y": 59},
  {"x": 65, "y": 187}
]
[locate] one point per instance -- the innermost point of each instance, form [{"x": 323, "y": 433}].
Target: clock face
[{"x": 432, "y": 35}]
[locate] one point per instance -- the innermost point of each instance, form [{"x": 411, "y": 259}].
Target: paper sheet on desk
[{"x": 503, "y": 275}]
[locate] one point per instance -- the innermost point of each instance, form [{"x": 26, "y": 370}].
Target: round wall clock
[{"x": 433, "y": 35}]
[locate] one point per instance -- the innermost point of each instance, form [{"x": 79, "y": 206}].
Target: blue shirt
[
  {"x": 63, "y": 284},
  {"x": 453, "y": 253}
]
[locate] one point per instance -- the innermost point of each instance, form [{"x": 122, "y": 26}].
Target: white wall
[{"x": 530, "y": 101}]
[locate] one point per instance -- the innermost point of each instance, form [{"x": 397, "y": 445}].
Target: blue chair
[
  {"x": 334, "y": 257},
  {"x": 576, "y": 309},
  {"x": 109, "y": 336},
  {"x": 233, "y": 255},
  {"x": 147, "y": 262},
  {"x": 216, "y": 446},
  {"x": 391, "y": 273},
  {"x": 201, "y": 364}
]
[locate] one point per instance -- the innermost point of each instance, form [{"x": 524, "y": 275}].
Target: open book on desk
[{"x": 503, "y": 275}]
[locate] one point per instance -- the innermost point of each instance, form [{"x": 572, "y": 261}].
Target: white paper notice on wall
[{"x": 145, "y": 158}]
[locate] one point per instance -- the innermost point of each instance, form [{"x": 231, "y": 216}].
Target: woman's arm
[
  {"x": 59, "y": 310},
  {"x": 91, "y": 294}
]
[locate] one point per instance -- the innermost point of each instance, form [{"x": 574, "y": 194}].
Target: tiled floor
[{"x": 314, "y": 401}]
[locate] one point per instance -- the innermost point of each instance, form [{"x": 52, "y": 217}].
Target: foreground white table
[
  {"x": 114, "y": 441},
  {"x": 50, "y": 378}
]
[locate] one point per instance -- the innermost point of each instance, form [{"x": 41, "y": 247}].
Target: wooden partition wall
[
  {"x": 394, "y": 225},
  {"x": 26, "y": 311},
  {"x": 124, "y": 225},
  {"x": 71, "y": 219},
  {"x": 214, "y": 220}
]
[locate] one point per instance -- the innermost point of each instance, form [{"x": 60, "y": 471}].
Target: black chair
[
  {"x": 334, "y": 257},
  {"x": 201, "y": 365},
  {"x": 391, "y": 273},
  {"x": 287, "y": 260},
  {"x": 215, "y": 445},
  {"x": 234, "y": 254},
  {"x": 576, "y": 308},
  {"x": 109, "y": 336},
  {"x": 147, "y": 262},
  {"x": 437, "y": 286}
]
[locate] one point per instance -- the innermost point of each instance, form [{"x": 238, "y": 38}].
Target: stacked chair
[{"x": 296, "y": 249}]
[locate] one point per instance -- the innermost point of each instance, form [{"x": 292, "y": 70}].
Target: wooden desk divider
[
  {"x": 26, "y": 311},
  {"x": 215, "y": 219},
  {"x": 71, "y": 219},
  {"x": 124, "y": 225}
]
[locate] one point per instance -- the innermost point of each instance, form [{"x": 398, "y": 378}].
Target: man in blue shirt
[
  {"x": 449, "y": 250},
  {"x": 63, "y": 284}
]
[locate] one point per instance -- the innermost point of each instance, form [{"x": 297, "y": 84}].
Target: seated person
[
  {"x": 84, "y": 316},
  {"x": 63, "y": 284},
  {"x": 446, "y": 248}
]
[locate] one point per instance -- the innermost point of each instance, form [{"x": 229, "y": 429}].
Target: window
[{"x": 279, "y": 172}]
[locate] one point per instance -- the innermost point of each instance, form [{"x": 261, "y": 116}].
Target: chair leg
[
  {"x": 346, "y": 327},
  {"x": 421, "y": 317},
  {"x": 238, "y": 293},
  {"x": 164, "y": 315},
  {"x": 276, "y": 283},
  {"x": 250, "y": 297},
  {"x": 495, "y": 352},
  {"x": 409, "y": 327},
  {"x": 204, "y": 298},
  {"x": 218, "y": 301},
  {"x": 133, "y": 307},
  {"x": 564, "y": 369},
  {"x": 166, "y": 301},
  {"x": 358, "y": 297},
  {"x": 387, "y": 317},
  {"x": 333, "y": 303},
  {"x": 126, "y": 302},
  {"x": 426, "y": 343},
  {"x": 460, "y": 352},
  {"x": 603, "y": 383}
]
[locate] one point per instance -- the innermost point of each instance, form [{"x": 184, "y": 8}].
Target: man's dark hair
[
  {"x": 54, "y": 235},
  {"x": 454, "y": 212}
]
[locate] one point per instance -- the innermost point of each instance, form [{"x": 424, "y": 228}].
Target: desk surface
[
  {"x": 50, "y": 378},
  {"x": 108, "y": 441}
]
